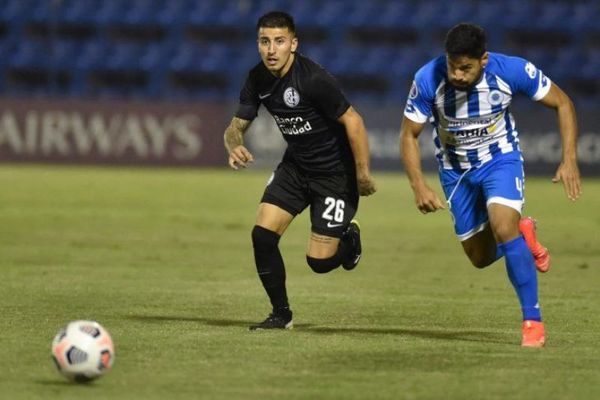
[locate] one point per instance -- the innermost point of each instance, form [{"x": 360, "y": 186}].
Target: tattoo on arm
[{"x": 235, "y": 132}]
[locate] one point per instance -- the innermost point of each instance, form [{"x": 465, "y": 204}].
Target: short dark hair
[
  {"x": 277, "y": 19},
  {"x": 465, "y": 40}
]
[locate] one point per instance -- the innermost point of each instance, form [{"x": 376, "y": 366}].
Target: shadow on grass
[
  {"x": 202, "y": 320},
  {"x": 469, "y": 336},
  {"x": 63, "y": 383},
  {"x": 457, "y": 335}
]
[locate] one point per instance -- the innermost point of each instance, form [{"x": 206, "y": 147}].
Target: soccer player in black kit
[{"x": 325, "y": 165}]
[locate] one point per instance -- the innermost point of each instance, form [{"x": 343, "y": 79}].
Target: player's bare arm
[
  {"x": 359, "y": 143},
  {"x": 239, "y": 156},
  {"x": 568, "y": 170},
  {"x": 426, "y": 199}
]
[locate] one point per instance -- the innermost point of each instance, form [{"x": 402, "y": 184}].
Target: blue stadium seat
[
  {"x": 318, "y": 52},
  {"x": 518, "y": 14},
  {"x": 554, "y": 16},
  {"x": 373, "y": 58},
  {"x": 486, "y": 13},
  {"x": 590, "y": 65},
  {"x": 537, "y": 55},
  {"x": 329, "y": 14},
  {"x": 155, "y": 56},
  {"x": 92, "y": 56},
  {"x": 16, "y": 11},
  {"x": 173, "y": 13},
  {"x": 431, "y": 14},
  {"x": 303, "y": 12},
  {"x": 396, "y": 14},
  {"x": 362, "y": 14},
  {"x": 219, "y": 13},
  {"x": 585, "y": 16},
  {"x": 245, "y": 58},
  {"x": 260, "y": 7},
  {"x": 64, "y": 52},
  {"x": 7, "y": 49},
  {"x": 215, "y": 59},
  {"x": 123, "y": 56},
  {"x": 346, "y": 62},
  {"x": 110, "y": 12},
  {"x": 185, "y": 58},
  {"x": 404, "y": 64},
  {"x": 142, "y": 12},
  {"x": 193, "y": 58},
  {"x": 78, "y": 11},
  {"x": 30, "y": 55}
]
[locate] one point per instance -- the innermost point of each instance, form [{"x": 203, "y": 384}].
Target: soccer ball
[{"x": 83, "y": 351}]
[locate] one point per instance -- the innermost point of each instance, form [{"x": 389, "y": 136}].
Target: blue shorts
[{"x": 469, "y": 193}]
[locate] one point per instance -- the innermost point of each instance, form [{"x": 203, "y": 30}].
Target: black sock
[
  {"x": 284, "y": 312},
  {"x": 344, "y": 249},
  {"x": 324, "y": 265},
  {"x": 270, "y": 267}
]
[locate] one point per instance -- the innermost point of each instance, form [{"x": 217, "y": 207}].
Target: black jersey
[{"x": 305, "y": 104}]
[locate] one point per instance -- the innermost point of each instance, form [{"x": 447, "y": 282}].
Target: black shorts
[{"x": 333, "y": 199}]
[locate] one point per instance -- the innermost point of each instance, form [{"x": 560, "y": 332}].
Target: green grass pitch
[{"x": 163, "y": 259}]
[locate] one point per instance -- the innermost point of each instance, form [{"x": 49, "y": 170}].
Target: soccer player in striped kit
[{"x": 466, "y": 94}]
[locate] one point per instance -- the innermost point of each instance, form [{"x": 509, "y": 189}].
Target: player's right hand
[
  {"x": 568, "y": 173},
  {"x": 366, "y": 185},
  {"x": 427, "y": 200},
  {"x": 240, "y": 157}
]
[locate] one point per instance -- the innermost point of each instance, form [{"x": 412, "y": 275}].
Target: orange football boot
[
  {"x": 533, "y": 334},
  {"x": 541, "y": 255}
]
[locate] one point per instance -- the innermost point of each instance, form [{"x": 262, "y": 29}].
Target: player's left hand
[
  {"x": 568, "y": 173},
  {"x": 366, "y": 185}
]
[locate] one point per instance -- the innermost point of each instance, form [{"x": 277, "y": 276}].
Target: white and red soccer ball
[{"x": 83, "y": 351}]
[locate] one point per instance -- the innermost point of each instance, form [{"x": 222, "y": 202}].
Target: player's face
[
  {"x": 464, "y": 71},
  {"x": 276, "y": 46}
]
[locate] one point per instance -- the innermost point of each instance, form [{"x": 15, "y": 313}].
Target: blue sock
[
  {"x": 523, "y": 276},
  {"x": 499, "y": 252}
]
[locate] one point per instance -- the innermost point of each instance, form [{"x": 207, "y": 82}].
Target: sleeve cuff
[
  {"x": 416, "y": 116},
  {"x": 543, "y": 90},
  {"x": 246, "y": 112}
]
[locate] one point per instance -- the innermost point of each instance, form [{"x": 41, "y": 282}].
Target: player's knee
[
  {"x": 263, "y": 238},
  {"x": 505, "y": 232},
  {"x": 322, "y": 265}
]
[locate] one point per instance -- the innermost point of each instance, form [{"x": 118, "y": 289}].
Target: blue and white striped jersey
[{"x": 473, "y": 126}]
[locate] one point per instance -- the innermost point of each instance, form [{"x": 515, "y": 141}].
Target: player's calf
[
  {"x": 481, "y": 249},
  {"x": 323, "y": 265},
  {"x": 481, "y": 260},
  {"x": 269, "y": 265}
]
